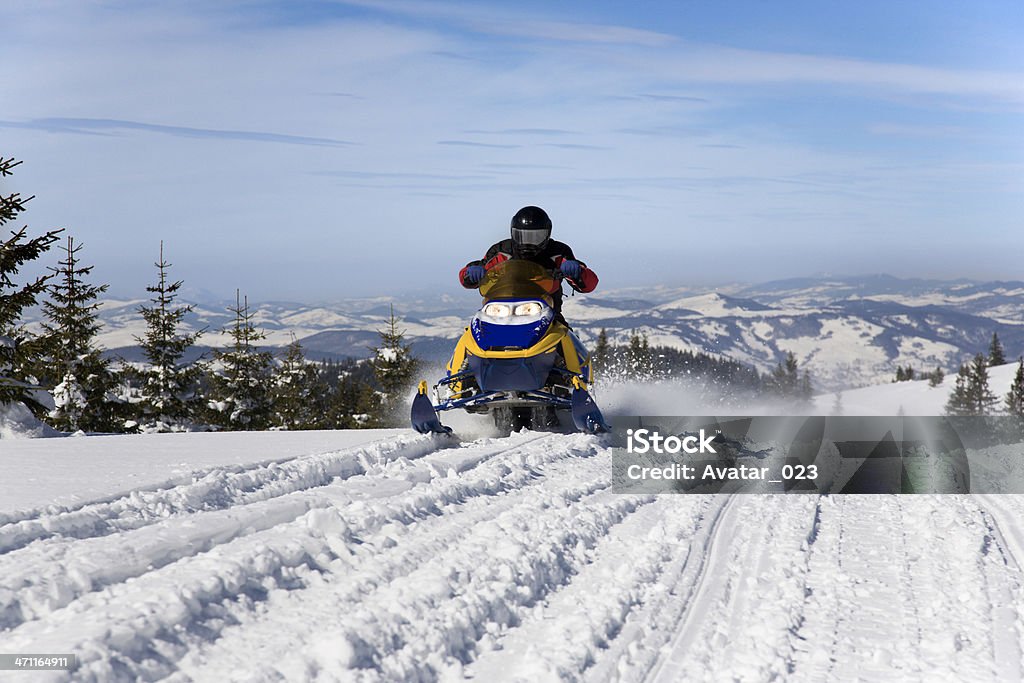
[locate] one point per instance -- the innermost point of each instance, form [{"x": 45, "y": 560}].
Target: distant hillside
[{"x": 847, "y": 331}]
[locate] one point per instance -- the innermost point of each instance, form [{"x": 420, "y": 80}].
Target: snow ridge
[{"x": 217, "y": 488}]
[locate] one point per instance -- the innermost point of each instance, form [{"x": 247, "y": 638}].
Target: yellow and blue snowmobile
[{"x": 516, "y": 360}]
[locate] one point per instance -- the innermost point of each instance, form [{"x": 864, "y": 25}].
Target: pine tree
[
  {"x": 84, "y": 382},
  {"x": 240, "y": 389},
  {"x": 298, "y": 396},
  {"x": 806, "y": 388},
  {"x": 1015, "y": 397},
  {"x": 982, "y": 398},
  {"x": 900, "y": 377},
  {"x": 959, "y": 402},
  {"x": 935, "y": 378},
  {"x": 394, "y": 366},
  {"x": 785, "y": 378},
  {"x": 19, "y": 351},
  {"x": 971, "y": 394},
  {"x": 599, "y": 358},
  {"x": 169, "y": 392},
  {"x": 639, "y": 358},
  {"x": 354, "y": 404},
  {"x": 996, "y": 356}
]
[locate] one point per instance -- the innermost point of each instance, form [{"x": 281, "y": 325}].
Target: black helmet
[{"x": 531, "y": 230}]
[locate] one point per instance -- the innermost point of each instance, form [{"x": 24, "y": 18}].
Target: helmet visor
[{"x": 531, "y": 237}]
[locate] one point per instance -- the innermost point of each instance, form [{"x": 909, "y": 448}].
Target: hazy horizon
[{"x": 456, "y": 293}]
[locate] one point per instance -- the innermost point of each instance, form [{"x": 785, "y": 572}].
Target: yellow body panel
[{"x": 558, "y": 334}]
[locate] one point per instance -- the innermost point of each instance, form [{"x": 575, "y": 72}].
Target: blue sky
[{"x": 317, "y": 150}]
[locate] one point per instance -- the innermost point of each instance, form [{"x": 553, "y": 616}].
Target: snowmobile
[{"x": 516, "y": 360}]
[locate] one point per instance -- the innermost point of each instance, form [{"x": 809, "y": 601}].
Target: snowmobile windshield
[{"x": 519, "y": 279}]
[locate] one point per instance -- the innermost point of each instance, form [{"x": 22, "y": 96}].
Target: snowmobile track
[
  {"x": 747, "y": 597},
  {"x": 191, "y": 599},
  {"x": 215, "y": 488},
  {"x": 52, "y": 573},
  {"x": 510, "y": 559}
]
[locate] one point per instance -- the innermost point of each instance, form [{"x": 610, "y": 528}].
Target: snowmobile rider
[{"x": 531, "y": 240}]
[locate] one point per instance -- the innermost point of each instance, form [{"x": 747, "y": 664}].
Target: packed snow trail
[{"x": 422, "y": 558}]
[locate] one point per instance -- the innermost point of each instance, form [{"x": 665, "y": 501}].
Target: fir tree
[
  {"x": 298, "y": 396},
  {"x": 599, "y": 357},
  {"x": 906, "y": 374},
  {"x": 982, "y": 398},
  {"x": 786, "y": 381},
  {"x": 971, "y": 394},
  {"x": 18, "y": 351},
  {"x": 785, "y": 378},
  {"x": 1015, "y": 397},
  {"x": 84, "y": 382},
  {"x": 240, "y": 389},
  {"x": 959, "y": 402},
  {"x": 394, "y": 366},
  {"x": 936, "y": 377},
  {"x": 806, "y": 388},
  {"x": 354, "y": 404},
  {"x": 169, "y": 391},
  {"x": 996, "y": 356},
  {"x": 639, "y": 359}
]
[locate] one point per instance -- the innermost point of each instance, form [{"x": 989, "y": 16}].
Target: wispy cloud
[
  {"x": 919, "y": 130},
  {"x": 721, "y": 65},
  {"x": 531, "y": 167},
  {"x": 370, "y": 175},
  {"x": 674, "y": 98},
  {"x": 524, "y": 131},
  {"x": 571, "y": 145},
  {"x": 81, "y": 126},
  {"x": 493, "y": 21},
  {"x": 471, "y": 143}
]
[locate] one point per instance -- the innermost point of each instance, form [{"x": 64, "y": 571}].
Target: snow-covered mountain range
[{"x": 848, "y": 331}]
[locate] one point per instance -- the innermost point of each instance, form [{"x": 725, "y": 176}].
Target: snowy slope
[
  {"x": 912, "y": 398},
  {"x": 326, "y": 557}
]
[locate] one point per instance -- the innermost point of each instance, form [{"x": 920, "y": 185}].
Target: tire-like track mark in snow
[
  {"x": 449, "y": 587},
  {"x": 172, "y": 608},
  {"x": 50, "y": 573},
  {"x": 739, "y": 620},
  {"x": 1005, "y": 550},
  {"x": 580, "y": 623},
  {"x": 896, "y": 589},
  {"x": 216, "y": 488}
]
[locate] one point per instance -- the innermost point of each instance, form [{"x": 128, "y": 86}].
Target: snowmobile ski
[
  {"x": 585, "y": 414},
  {"x": 424, "y": 417}
]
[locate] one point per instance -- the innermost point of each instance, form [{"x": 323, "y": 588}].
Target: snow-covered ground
[
  {"x": 356, "y": 556},
  {"x": 916, "y": 397}
]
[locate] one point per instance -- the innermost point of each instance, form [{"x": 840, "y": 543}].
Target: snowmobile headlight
[
  {"x": 531, "y": 309},
  {"x": 496, "y": 310}
]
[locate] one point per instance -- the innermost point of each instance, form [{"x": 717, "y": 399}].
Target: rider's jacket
[{"x": 550, "y": 257}]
